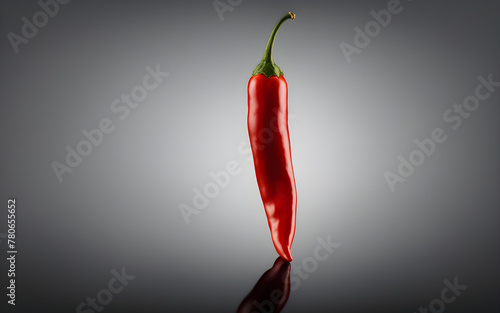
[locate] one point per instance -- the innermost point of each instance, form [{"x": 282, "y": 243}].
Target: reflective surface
[
  {"x": 395, "y": 155},
  {"x": 271, "y": 291}
]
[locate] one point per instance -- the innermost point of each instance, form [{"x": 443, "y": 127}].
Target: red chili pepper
[{"x": 270, "y": 142}]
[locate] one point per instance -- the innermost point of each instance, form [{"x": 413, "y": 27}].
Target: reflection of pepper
[
  {"x": 271, "y": 292},
  {"x": 270, "y": 142}
]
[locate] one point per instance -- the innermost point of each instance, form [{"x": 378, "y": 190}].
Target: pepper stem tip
[{"x": 267, "y": 65}]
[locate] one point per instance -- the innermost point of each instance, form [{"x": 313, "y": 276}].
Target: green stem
[{"x": 267, "y": 65}]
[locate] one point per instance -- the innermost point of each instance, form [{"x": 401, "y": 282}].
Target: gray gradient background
[{"x": 350, "y": 122}]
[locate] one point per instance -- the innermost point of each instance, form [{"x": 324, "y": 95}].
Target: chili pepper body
[{"x": 270, "y": 143}]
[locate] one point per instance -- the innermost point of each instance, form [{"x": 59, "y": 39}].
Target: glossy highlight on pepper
[{"x": 270, "y": 142}]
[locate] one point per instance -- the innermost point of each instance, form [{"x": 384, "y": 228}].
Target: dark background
[{"x": 349, "y": 122}]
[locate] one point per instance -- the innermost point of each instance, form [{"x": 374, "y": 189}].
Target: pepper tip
[
  {"x": 286, "y": 255},
  {"x": 292, "y": 15}
]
